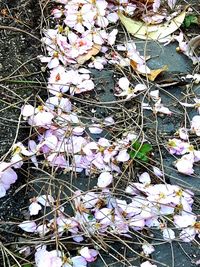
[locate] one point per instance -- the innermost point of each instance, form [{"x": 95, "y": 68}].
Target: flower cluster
[
  {"x": 189, "y": 155},
  {"x": 45, "y": 258},
  {"x": 58, "y": 144},
  {"x": 160, "y": 206}
]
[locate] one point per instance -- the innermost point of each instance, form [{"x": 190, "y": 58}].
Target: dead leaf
[
  {"x": 92, "y": 52},
  {"x": 152, "y": 32},
  {"x": 133, "y": 64},
  {"x": 153, "y": 73}
]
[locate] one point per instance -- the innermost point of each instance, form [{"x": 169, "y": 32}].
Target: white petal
[
  {"x": 145, "y": 178},
  {"x": 104, "y": 179},
  {"x": 168, "y": 234},
  {"x": 157, "y": 171},
  {"x": 123, "y": 83},
  {"x": 28, "y": 226},
  {"x": 95, "y": 129},
  {"x": 27, "y": 110},
  {"x": 45, "y": 200},
  {"x": 123, "y": 156},
  {"x": 34, "y": 208}
]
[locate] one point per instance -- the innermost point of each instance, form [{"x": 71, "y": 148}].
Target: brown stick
[{"x": 8, "y": 28}]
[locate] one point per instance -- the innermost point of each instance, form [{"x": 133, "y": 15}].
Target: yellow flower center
[
  {"x": 79, "y": 18},
  {"x": 179, "y": 193},
  {"x": 16, "y": 150},
  {"x": 40, "y": 108}
]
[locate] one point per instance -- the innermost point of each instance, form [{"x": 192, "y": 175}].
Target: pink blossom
[
  {"x": 44, "y": 258},
  {"x": 41, "y": 117},
  {"x": 104, "y": 142},
  {"x": 89, "y": 254},
  {"x": 183, "y": 46},
  {"x": 34, "y": 208},
  {"x": 67, "y": 224},
  {"x": 112, "y": 17},
  {"x": 89, "y": 200},
  {"x": 101, "y": 20},
  {"x": 178, "y": 147},
  {"x": 43, "y": 229},
  {"x": 7, "y": 177},
  {"x": 17, "y": 161},
  {"x": 108, "y": 121},
  {"x": 154, "y": 19},
  {"x": 59, "y": 102},
  {"x": 112, "y": 37},
  {"x": 77, "y": 45},
  {"x": 183, "y": 133},
  {"x": 78, "y": 130},
  {"x": 123, "y": 83},
  {"x": 79, "y": 19},
  {"x": 58, "y": 81},
  {"x": 104, "y": 215},
  {"x": 137, "y": 222},
  {"x": 57, "y": 160}
]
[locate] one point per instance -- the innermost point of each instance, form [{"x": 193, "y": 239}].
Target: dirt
[
  {"x": 18, "y": 63},
  {"x": 18, "y": 52}
]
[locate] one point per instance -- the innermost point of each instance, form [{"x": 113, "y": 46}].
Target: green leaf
[
  {"x": 139, "y": 155},
  {"x": 132, "y": 154},
  {"x": 136, "y": 145},
  {"x": 90, "y": 217},
  {"x": 24, "y": 265},
  {"x": 140, "y": 151},
  {"x": 189, "y": 20},
  {"x": 146, "y": 148}
]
